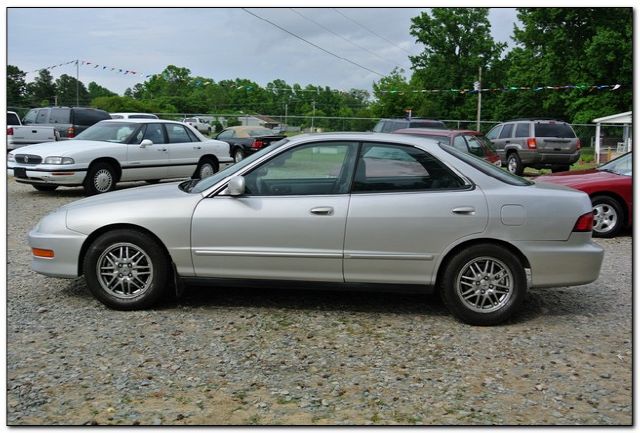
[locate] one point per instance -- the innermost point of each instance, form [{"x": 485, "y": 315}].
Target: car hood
[
  {"x": 63, "y": 148},
  {"x": 580, "y": 178}
]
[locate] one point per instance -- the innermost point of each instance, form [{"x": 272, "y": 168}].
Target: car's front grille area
[{"x": 28, "y": 159}]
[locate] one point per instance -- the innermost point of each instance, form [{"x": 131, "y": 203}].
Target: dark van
[{"x": 68, "y": 121}]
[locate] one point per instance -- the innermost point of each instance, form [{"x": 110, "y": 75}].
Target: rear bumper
[{"x": 563, "y": 263}]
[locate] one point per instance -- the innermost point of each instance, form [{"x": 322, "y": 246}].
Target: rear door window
[
  {"x": 561, "y": 130},
  {"x": 60, "y": 115},
  {"x": 177, "y": 134},
  {"x": 522, "y": 130},
  {"x": 30, "y": 117},
  {"x": 392, "y": 126},
  {"x": 506, "y": 131},
  {"x": 43, "y": 115}
]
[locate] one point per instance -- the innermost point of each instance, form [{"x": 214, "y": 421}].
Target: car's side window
[
  {"x": 192, "y": 136},
  {"x": 226, "y": 134},
  {"x": 495, "y": 131},
  {"x": 154, "y": 133},
  {"x": 177, "y": 134},
  {"x": 393, "y": 168},
  {"x": 138, "y": 136},
  {"x": 522, "y": 130},
  {"x": 506, "y": 131},
  {"x": 460, "y": 144},
  {"x": 30, "y": 117},
  {"x": 43, "y": 115},
  {"x": 475, "y": 145},
  {"x": 310, "y": 169}
]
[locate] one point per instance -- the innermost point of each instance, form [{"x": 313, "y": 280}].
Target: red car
[
  {"x": 610, "y": 189},
  {"x": 472, "y": 142}
]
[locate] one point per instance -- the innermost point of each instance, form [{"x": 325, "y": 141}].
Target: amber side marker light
[{"x": 38, "y": 252}]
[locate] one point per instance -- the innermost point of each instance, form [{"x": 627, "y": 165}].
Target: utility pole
[
  {"x": 286, "y": 107},
  {"x": 479, "y": 88},
  {"x": 77, "y": 83},
  {"x": 313, "y": 115}
]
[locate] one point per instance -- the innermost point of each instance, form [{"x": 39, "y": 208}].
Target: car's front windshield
[
  {"x": 207, "y": 182},
  {"x": 114, "y": 132},
  {"x": 622, "y": 165}
]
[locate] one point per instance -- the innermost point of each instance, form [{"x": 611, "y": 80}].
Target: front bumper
[
  {"x": 47, "y": 174},
  {"x": 51, "y": 233},
  {"x": 563, "y": 263}
]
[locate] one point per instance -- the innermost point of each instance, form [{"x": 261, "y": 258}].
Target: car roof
[
  {"x": 435, "y": 131},
  {"x": 245, "y": 128},
  {"x": 141, "y": 121},
  {"x": 364, "y": 136}
]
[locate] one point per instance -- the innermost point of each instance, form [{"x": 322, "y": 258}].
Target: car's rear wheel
[
  {"x": 238, "y": 155},
  {"x": 514, "y": 164},
  {"x": 483, "y": 284},
  {"x": 126, "y": 269},
  {"x": 45, "y": 187},
  {"x": 101, "y": 178},
  {"x": 607, "y": 216},
  {"x": 206, "y": 167}
]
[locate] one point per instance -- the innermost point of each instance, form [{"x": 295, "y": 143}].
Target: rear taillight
[
  {"x": 9, "y": 131},
  {"x": 578, "y": 144},
  {"x": 257, "y": 144},
  {"x": 71, "y": 132},
  {"x": 531, "y": 143},
  {"x": 584, "y": 223}
]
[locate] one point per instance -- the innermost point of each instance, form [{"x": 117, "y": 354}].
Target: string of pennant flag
[
  {"x": 591, "y": 88},
  {"x": 92, "y": 65}
]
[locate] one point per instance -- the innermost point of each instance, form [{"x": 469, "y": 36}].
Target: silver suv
[{"x": 535, "y": 143}]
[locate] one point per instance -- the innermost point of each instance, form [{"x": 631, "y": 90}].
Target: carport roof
[{"x": 616, "y": 118}]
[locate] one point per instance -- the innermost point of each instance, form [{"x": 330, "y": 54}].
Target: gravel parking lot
[{"x": 249, "y": 356}]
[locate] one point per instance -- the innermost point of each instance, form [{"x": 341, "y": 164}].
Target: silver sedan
[{"x": 338, "y": 210}]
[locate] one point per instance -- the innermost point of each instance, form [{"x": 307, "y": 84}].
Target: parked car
[
  {"x": 537, "y": 143},
  {"x": 133, "y": 116},
  {"x": 468, "y": 141},
  {"x": 115, "y": 151},
  {"x": 343, "y": 209},
  {"x": 198, "y": 124},
  {"x": 390, "y": 125},
  {"x": 69, "y": 122},
  {"x": 610, "y": 188},
  {"x": 245, "y": 140},
  {"x": 18, "y": 135}
]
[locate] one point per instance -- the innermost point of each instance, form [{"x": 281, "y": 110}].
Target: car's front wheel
[
  {"x": 101, "y": 178},
  {"x": 126, "y": 269},
  {"x": 483, "y": 284},
  {"x": 514, "y": 164},
  {"x": 607, "y": 216}
]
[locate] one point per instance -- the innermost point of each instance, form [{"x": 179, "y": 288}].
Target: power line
[
  {"x": 371, "y": 31},
  {"x": 343, "y": 38},
  {"x": 312, "y": 44}
]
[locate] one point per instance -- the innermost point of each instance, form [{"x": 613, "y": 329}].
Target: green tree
[
  {"x": 394, "y": 95},
  {"x": 71, "y": 92},
  {"x": 96, "y": 90},
  {"x": 16, "y": 86},
  {"x": 457, "y": 42},
  {"x": 42, "y": 90}
]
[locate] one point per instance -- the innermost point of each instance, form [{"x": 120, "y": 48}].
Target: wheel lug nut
[{"x": 120, "y": 275}]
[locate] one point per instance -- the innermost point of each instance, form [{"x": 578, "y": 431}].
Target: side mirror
[
  {"x": 236, "y": 185},
  {"x": 146, "y": 142}
]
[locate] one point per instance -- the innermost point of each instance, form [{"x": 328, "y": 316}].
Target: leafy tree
[
  {"x": 394, "y": 95},
  {"x": 42, "y": 89},
  {"x": 96, "y": 90},
  {"x": 71, "y": 92},
  {"x": 16, "y": 86}
]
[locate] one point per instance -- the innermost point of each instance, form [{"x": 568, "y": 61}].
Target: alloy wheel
[
  {"x": 485, "y": 284},
  {"x": 124, "y": 270}
]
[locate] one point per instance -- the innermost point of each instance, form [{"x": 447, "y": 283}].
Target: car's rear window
[
  {"x": 60, "y": 115},
  {"x": 12, "y": 119},
  {"x": 561, "y": 130},
  {"x": 427, "y": 124},
  {"x": 487, "y": 168},
  {"x": 142, "y": 116}
]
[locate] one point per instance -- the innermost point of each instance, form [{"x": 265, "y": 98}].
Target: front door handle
[
  {"x": 464, "y": 210},
  {"x": 162, "y": 150},
  {"x": 327, "y": 210},
  {"x": 197, "y": 147}
]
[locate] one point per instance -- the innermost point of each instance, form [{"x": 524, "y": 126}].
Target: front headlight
[
  {"x": 58, "y": 160},
  {"x": 11, "y": 157}
]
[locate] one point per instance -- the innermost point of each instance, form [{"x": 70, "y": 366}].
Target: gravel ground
[{"x": 248, "y": 356}]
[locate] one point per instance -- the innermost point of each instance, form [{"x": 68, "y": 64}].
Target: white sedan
[{"x": 114, "y": 151}]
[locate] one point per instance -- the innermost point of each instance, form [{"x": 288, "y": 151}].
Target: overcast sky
[{"x": 223, "y": 43}]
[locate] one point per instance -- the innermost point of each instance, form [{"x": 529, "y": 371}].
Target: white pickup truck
[
  {"x": 199, "y": 124},
  {"x": 18, "y": 135}
]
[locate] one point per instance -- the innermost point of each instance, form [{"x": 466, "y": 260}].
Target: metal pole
[
  {"x": 286, "y": 108},
  {"x": 479, "y": 96},
  {"x": 77, "y": 83},
  {"x": 313, "y": 115}
]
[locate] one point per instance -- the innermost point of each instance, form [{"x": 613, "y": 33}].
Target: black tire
[
  {"x": 45, "y": 188},
  {"x": 460, "y": 274},
  {"x": 514, "y": 164},
  {"x": 152, "y": 181},
  {"x": 110, "y": 288},
  {"x": 238, "y": 155},
  {"x": 608, "y": 216},
  {"x": 101, "y": 178},
  {"x": 560, "y": 168},
  {"x": 202, "y": 165}
]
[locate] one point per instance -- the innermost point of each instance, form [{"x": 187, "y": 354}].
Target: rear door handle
[
  {"x": 197, "y": 147},
  {"x": 162, "y": 150},
  {"x": 464, "y": 210},
  {"x": 327, "y": 210}
]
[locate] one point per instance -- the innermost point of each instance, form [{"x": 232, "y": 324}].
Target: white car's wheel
[
  {"x": 206, "y": 167},
  {"x": 101, "y": 178}
]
